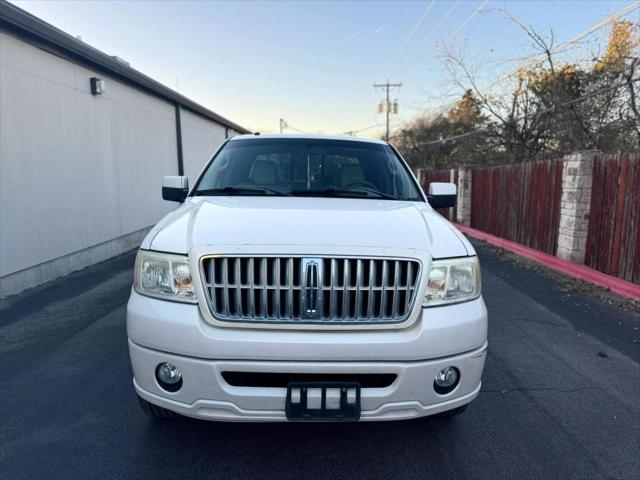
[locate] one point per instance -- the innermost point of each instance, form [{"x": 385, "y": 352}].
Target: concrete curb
[{"x": 581, "y": 272}]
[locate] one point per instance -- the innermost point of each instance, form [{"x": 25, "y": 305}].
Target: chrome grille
[{"x": 310, "y": 289}]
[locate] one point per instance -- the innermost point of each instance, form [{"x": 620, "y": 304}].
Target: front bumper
[
  {"x": 161, "y": 331},
  {"x": 179, "y": 328},
  {"x": 206, "y": 395}
]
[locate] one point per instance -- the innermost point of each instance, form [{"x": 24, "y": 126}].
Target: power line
[
  {"x": 543, "y": 111},
  {"x": 297, "y": 130},
  {"x": 404, "y": 43},
  {"x": 407, "y": 38},
  {"x": 284, "y": 125},
  {"x": 412, "y": 32},
  {"x": 561, "y": 47},
  {"x": 433, "y": 29},
  {"x": 352, "y": 132},
  {"x": 464, "y": 23},
  {"x": 603, "y": 23},
  {"x": 471, "y": 17},
  {"x": 589, "y": 31}
]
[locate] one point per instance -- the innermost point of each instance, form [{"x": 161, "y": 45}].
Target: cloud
[
  {"x": 353, "y": 36},
  {"x": 379, "y": 29}
]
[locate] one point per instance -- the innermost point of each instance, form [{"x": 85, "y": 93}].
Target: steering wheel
[{"x": 362, "y": 184}]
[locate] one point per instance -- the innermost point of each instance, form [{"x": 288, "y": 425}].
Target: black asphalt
[{"x": 560, "y": 397}]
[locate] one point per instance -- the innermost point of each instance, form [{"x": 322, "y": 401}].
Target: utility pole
[{"x": 387, "y": 105}]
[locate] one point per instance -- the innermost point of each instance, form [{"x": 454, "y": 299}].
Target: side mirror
[
  {"x": 442, "y": 195},
  {"x": 175, "y": 189}
]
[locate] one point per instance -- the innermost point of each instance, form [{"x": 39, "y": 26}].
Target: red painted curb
[{"x": 581, "y": 272}]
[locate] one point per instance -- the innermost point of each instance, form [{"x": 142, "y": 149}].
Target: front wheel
[{"x": 154, "y": 410}]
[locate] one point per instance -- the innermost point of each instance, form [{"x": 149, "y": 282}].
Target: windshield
[{"x": 308, "y": 167}]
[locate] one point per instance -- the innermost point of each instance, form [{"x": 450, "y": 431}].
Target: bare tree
[
  {"x": 545, "y": 107},
  {"x": 560, "y": 107},
  {"x": 516, "y": 119}
]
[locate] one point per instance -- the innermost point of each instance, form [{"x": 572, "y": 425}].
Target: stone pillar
[
  {"x": 577, "y": 177},
  {"x": 464, "y": 197}
]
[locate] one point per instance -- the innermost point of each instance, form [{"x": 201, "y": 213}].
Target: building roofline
[{"x": 33, "y": 30}]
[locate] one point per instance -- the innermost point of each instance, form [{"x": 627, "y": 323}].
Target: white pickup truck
[{"x": 306, "y": 278}]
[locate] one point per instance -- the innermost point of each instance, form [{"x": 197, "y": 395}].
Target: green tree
[
  {"x": 467, "y": 123},
  {"x": 427, "y": 141}
]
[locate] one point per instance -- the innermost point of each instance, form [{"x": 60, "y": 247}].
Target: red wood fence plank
[
  {"x": 619, "y": 219},
  {"x": 613, "y": 243},
  {"x": 519, "y": 202}
]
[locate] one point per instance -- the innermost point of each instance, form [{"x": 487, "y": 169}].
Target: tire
[
  {"x": 452, "y": 413},
  {"x": 155, "y": 411}
]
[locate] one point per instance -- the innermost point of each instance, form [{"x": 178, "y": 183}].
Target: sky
[{"x": 314, "y": 63}]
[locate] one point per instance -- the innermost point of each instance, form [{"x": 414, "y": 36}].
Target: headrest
[{"x": 264, "y": 173}]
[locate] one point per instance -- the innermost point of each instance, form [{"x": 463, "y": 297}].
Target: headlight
[
  {"x": 164, "y": 276},
  {"x": 451, "y": 281}
]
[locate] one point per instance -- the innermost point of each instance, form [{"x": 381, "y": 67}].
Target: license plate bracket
[{"x": 323, "y": 401}]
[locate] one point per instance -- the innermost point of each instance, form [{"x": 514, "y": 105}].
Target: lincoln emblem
[{"x": 311, "y": 287}]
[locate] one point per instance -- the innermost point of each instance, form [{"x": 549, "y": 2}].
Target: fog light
[
  {"x": 446, "y": 380},
  {"x": 169, "y": 377}
]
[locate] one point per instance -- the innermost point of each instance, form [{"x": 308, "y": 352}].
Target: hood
[{"x": 305, "y": 221}]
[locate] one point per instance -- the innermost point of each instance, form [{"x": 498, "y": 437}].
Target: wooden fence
[
  {"x": 519, "y": 202},
  {"x": 613, "y": 239},
  {"x": 522, "y": 202}
]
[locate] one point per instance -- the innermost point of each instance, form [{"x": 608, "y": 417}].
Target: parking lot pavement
[{"x": 560, "y": 397}]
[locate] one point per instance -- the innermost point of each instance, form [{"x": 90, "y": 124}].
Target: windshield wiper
[
  {"x": 239, "y": 191},
  {"x": 337, "y": 192}
]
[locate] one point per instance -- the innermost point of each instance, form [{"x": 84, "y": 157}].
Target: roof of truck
[{"x": 307, "y": 136}]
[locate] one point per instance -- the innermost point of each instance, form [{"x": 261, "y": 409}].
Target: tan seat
[
  {"x": 264, "y": 173},
  {"x": 351, "y": 174}
]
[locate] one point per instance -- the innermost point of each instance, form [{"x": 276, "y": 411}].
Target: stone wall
[
  {"x": 463, "y": 213},
  {"x": 577, "y": 177}
]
